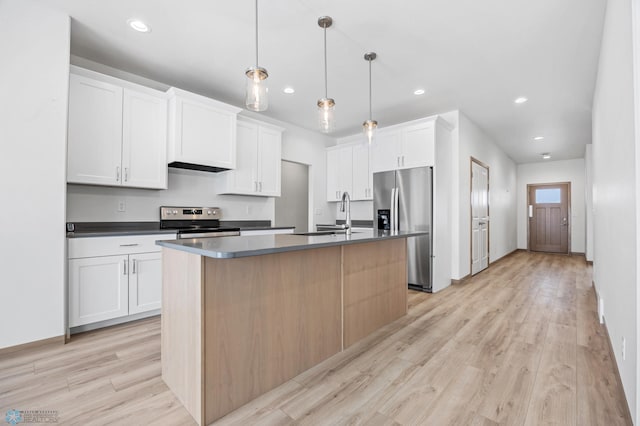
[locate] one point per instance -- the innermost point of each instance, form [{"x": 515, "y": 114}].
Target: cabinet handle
[
  {"x": 133, "y": 267},
  {"x": 398, "y": 160},
  {"x": 255, "y": 186},
  {"x": 129, "y": 245},
  {"x": 125, "y": 266},
  {"x": 126, "y": 174},
  {"x": 403, "y": 160},
  {"x": 260, "y": 185},
  {"x": 118, "y": 174}
]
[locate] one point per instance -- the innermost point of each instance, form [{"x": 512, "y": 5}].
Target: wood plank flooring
[{"x": 518, "y": 344}]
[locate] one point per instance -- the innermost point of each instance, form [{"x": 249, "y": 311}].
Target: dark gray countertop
[
  {"x": 114, "y": 229},
  {"x": 233, "y": 247}
]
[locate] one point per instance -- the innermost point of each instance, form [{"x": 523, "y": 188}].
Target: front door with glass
[{"x": 548, "y": 215}]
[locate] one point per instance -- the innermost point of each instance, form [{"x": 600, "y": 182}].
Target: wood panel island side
[{"x": 242, "y": 315}]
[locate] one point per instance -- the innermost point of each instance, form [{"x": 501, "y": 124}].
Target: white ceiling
[{"x": 476, "y": 56}]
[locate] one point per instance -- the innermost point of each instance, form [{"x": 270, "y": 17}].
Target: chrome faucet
[{"x": 345, "y": 205}]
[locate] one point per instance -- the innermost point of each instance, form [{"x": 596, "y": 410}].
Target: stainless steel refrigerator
[{"x": 402, "y": 200}]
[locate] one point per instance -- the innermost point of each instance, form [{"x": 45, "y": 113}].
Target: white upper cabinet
[
  {"x": 117, "y": 132},
  {"x": 385, "y": 150},
  {"x": 202, "y": 131},
  {"x": 339, "y": 172},
  {"x": 362, "y": 176},
  {"x": 144, "y": 140},
  {"x": 405, "y": 146},
  {"x": 95, "y": 132},
  {"x": 258, "y": 167}
]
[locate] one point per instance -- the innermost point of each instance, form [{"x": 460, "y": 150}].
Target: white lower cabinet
[
  {"x": 145, "y": 282},
  {"x": 113, "y": 277},
  {"x": 98, "y": 289}
]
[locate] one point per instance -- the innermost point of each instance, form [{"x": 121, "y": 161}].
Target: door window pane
[{"x": 548, "y": 195}]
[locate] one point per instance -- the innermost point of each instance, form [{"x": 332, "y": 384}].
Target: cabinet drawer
[{"x": 110, "y": 246}]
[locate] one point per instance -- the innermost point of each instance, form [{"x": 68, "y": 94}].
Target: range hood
[{"x": 199, "y": 167}]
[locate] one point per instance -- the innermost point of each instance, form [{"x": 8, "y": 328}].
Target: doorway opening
[
  {"x": 548, "y": 211},
  {"x": 292, "y": 207},
  {"x": 479, "y": 216}
]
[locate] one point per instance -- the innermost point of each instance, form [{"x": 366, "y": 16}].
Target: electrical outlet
[
  {"x": 624, "y": 349},
  {"x": 122, "y": 207}
]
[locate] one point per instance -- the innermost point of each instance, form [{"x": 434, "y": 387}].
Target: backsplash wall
[{"x": 88, "y": 203}]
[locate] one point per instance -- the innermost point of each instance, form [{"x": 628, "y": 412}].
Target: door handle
[{"x": 482, "y": 223}]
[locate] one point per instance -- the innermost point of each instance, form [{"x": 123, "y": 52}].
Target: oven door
[{"x": 205, "y": 234}]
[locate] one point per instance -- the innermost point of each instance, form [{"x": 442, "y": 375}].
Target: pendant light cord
[
  {"x": 256, "y": 33},
  {"x": 370, "y": 115},
  {"x": 325, "y": 63}
]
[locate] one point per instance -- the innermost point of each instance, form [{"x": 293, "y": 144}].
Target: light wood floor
[{"x": 518, "y": 344}]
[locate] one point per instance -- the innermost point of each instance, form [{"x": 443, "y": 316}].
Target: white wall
[
  {"x": 588, "y": 202},
  {"x": 97, "y": 204},
  {"x": 551, "y": 172},
  {"x": 614, "y": 196},
  {"x": 473, "y": 142},
  {"x": 33, "y": 113}
]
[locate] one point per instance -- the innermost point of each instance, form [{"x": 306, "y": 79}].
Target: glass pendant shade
[
  {"x": 369, "y": 128},
  {"x": 255, "y": 98},
  {"x": 256, "y": 95},
  {"x": 370, "y": 125},
  {"x": 326, "y": 109}
]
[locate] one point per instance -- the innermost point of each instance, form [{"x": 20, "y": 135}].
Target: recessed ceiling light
[
  {"x": 521, "y": 100},
  {"x": 538, "y": 138},
  {"x": 289, "y": 90},
  {"x": 419, "y": 92},
  {"x": 138, "y": 25},
  {"x": 546, "y": 156}
]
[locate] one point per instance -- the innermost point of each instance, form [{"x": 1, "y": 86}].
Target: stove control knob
[
  {"x": 208, "y": 211},
  {"x": 174, "y": 212}
]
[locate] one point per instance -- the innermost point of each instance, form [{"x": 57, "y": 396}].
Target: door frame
[
  {"x": 486, "y": 166},
  {"x": 526, "y": 211}
]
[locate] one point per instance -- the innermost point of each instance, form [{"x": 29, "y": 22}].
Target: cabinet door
[
  {"x": 94, "y": 140},
  {"x": 418, "y": 146},
  {"x": 346, "y": 171},
  {"x": 269, "y": 161},
  {"x": 144, "y": 137},
  {"x": 98, "y": 289},
  {"x": 244, "y": 178},
  {"x": 205, "y": 135},
  {"x": 361, "y": 173},
  {"x": 145, "y": 282},
  {"x": 385, "y": 151},
  {"x": 333, "y": 174}
]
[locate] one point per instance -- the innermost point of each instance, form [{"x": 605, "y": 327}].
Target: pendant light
[
  {"x": 326, "y": 105},
  {"x": 256, "y": 94},
  {"x": 370, "y": 125}
]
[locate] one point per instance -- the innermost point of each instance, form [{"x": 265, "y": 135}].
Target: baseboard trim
[
  {"x": 613, "y": 356},
  {"x": 578, "y": 253},
  {"x": 58, "y": 340},
  {"x": 466, "y": 277},
  {"x": 112, "y": 322},
  {"x": 461, "y": 280}
]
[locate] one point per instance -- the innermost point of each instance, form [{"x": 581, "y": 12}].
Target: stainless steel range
[{"x": 195, "y": 222}]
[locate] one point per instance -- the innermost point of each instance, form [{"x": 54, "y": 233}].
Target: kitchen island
[{"x": 242, "y": 315}]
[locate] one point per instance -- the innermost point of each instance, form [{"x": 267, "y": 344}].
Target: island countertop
[{"x": 256, "y": 245}]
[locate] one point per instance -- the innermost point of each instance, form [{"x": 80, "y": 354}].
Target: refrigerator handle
[
  {"x": 395, "y": 204},
  {"x": 393, "y": 210}
]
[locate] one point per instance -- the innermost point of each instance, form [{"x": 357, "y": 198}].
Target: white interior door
[{"x": 479, "y": 217}]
